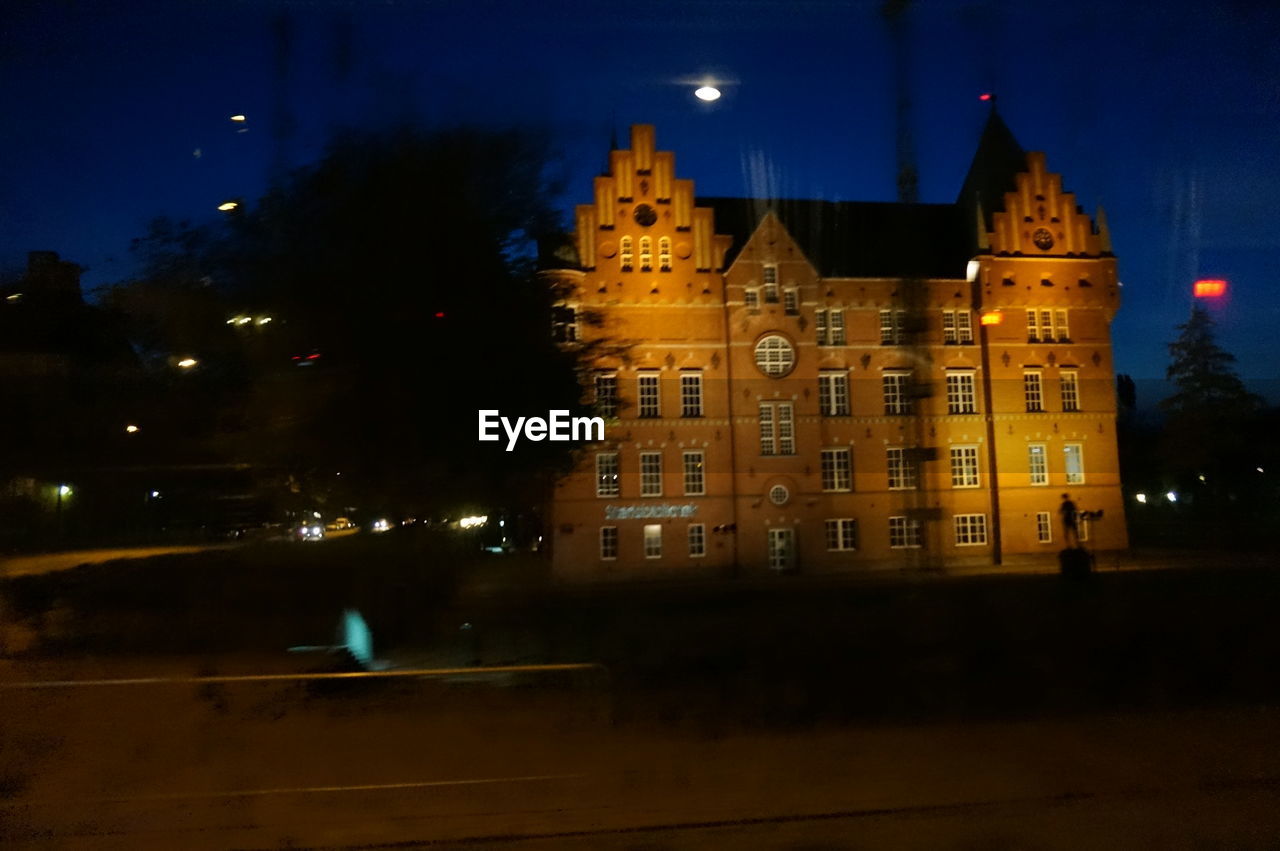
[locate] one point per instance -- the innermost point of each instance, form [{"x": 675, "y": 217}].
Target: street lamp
[
  {"x": 131, "y": 429},
  {"x": 188, "y": 363},
  {"x": 228, "y": 206}
]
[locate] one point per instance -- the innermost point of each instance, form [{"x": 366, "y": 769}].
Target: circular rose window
[
  {"x": 779, "y": 495},
  {"x": 775, "y": 356}
]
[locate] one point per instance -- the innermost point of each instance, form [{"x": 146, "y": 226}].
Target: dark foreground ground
[{"x": 1133, "y": 710}]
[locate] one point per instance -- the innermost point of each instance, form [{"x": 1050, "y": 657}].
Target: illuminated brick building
[{"x": 819, "y": 386}]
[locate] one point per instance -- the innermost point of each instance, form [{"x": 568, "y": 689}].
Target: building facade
[{"x": 822, "y": 386}]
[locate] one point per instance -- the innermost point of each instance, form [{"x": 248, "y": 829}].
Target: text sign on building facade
[{"x": 647, "y": 512}]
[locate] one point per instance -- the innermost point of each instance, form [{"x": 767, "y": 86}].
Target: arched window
[
  {"x": 664, "y": 254},
  {"x": 624, "y": 254},
  {"x": 646, "y": 254}
]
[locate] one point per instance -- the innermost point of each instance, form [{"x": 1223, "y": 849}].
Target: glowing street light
[
  {"x": 187, "y": 363},
  {"x": 228, "y": 206},
  {"x": 131, "y": 428},
  {"x": 238, "y": 118},
  {"x": 1171, "y": 496},
  {"x": 64, "y": 490},
  {"x": 992, "y": 317},
  {"x": 707, "y": 93},
  {"x": 1210, "y": 288},
  {"x": 1140, "y": 497}
]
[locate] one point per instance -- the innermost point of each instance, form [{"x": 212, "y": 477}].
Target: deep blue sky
[{"x": 1167, "y": 113}]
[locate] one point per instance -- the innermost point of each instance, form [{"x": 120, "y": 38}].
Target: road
[
  {"x": 27, "y": 565},
  {"x": 502, "y": 764}
]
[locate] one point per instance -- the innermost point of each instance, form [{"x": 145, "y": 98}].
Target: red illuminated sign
[{"x": 1210, "y": 288}]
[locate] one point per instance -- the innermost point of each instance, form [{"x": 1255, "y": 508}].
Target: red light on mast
[
  {"x": 985, "y": 96},
  {"x": 1210, "y": 288}
]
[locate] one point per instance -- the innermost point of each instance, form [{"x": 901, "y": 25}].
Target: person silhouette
[{"x": 1070, "y": 522}]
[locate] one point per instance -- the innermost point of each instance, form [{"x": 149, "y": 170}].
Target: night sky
[{"x": 1168, "y": 114}]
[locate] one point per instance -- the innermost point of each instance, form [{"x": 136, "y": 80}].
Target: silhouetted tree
[{"x": 1202, "y": 372}]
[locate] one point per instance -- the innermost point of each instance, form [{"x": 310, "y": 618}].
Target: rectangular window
[
  {"x": 608, "y": 542},
  {"x": 694, "y": 477},
  {"x": 690, "y": 393},
  {"x": 607, "y": 394},
  {"x": 1033, "y": 391},
  {"x": 651, "y": 474},
  {"x": 607, "y": 474},
  {"x": 646, "y": 254},
  {"x": 653, "y": 541},
  {"x": 1033, "y": 326},
  {"x": 1073, "y": 454},
  {"x": 904, "y": 533},
  {"x": 770, "y": 278},
  {"x": 830, "y": 326},
  {"x": 564, "y": 324},
  {"x": 833, "y": 393},
  {"x": 624, "y": 254},
  {"x": 664, "y": 254},
  {"x": 791, "y": 302},
  {"x": 777, "y": 428},
  {"x": 964, "y": 466},
  {"x": 697, "y": 540},
  {"x": 842, "y": 534},
  {"x": 1038, "y": 464},
  {"x": 1060, "y": 331},
  {"x": 891, "y": 322},
  {"x": 837, "y": 470},
  {"x": 961, "y": 398},
  {"x": 649, "y": 399},
  {"x": 751, "y": 299},
  {"x": 897, "y": 395},
  {"x": 1044, "y": 527},
  {"x": 1070, "y": 391},
  {"x": 970, "y": 529},
  {"x": 957, "y": 327},
  {"x": 902, "y": 469}
]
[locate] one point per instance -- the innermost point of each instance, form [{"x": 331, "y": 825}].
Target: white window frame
[
  {"x": 837, "y": 469},
  {"x": 1037, "y": 472},
  {"x": 650, "y": 473},
  {"x": 901, "y": 469},
  {"x": 608, "y": 543},
  {"x": 957, "y": 326},
  {"x": 1033, "y": 390},
  {"x": 791, "y": 301},
  {"x": 653, "y": 540},
  {"x": 833, "y": 392},
  {"x": 608, "y": 475},
  {"x": 751, "y": 298},
  {"x": 625, "y": 256},
  {"x": 775, "y": 355},
  {"x": 842, "y": 534},
  {"x": 1061, "y": 332},
  {"x": 646, "y": 254},
  {"x": 769, "y": 278},
  {"x": 1069, "y": 385},
  {"x": 606, "y": 403},
  {"x": 664, "y": 254},
  {"x": 1044, "y": 527},
  {"x": 777, "y": 428},
  {"x": 1073, "y": 477},
  {"x": 965, "y": 466},
  {"x": 829, "y": 322},
  {"x": 690, "y": 393},
  {"x": 697, "y": 537},
  {"x": 962, "y": 393},
  {"x": 693, "y": 463},
  {"x": 970, "y": 530},
  {"x": 1033, "y": 325},
  {"x": 648, "y": 394},
  {"x": 904, "y": 533},
  {"x": 895, "y": 384},
  {"x": 891, "y": 322}
]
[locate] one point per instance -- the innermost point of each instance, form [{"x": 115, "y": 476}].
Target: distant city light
[
  {"x": 707, "y": 93},
  {"x": 381, "y": 525},
  {"x": 1202, "y": 477},
  {"x": 992, "y": 317},
  {"x": 238, "y": 118},
  {"x": 227, "y": 206},
  {"x": 187, "y": 363},
  {"x": 1171, "y": 496},
  {"x": 243, "y": 320},
  {"x": 155, "y": 494},
  {"x": 131, "y": 429},
  {"x": 14, "y": 297},
  {"x": 1210, "y": 288},
  {"x": 64, "y": 490},
  {"x": 1259, "y": 469},
  {"x": 263, "y": 320},
  {"x": 1140, "y": 497},
  {"x": 473, "y": 521}
]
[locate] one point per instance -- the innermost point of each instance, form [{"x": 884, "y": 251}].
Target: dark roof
[
  {"x": 992, "y": 173},
  {"x": 857, "y": 239}
]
